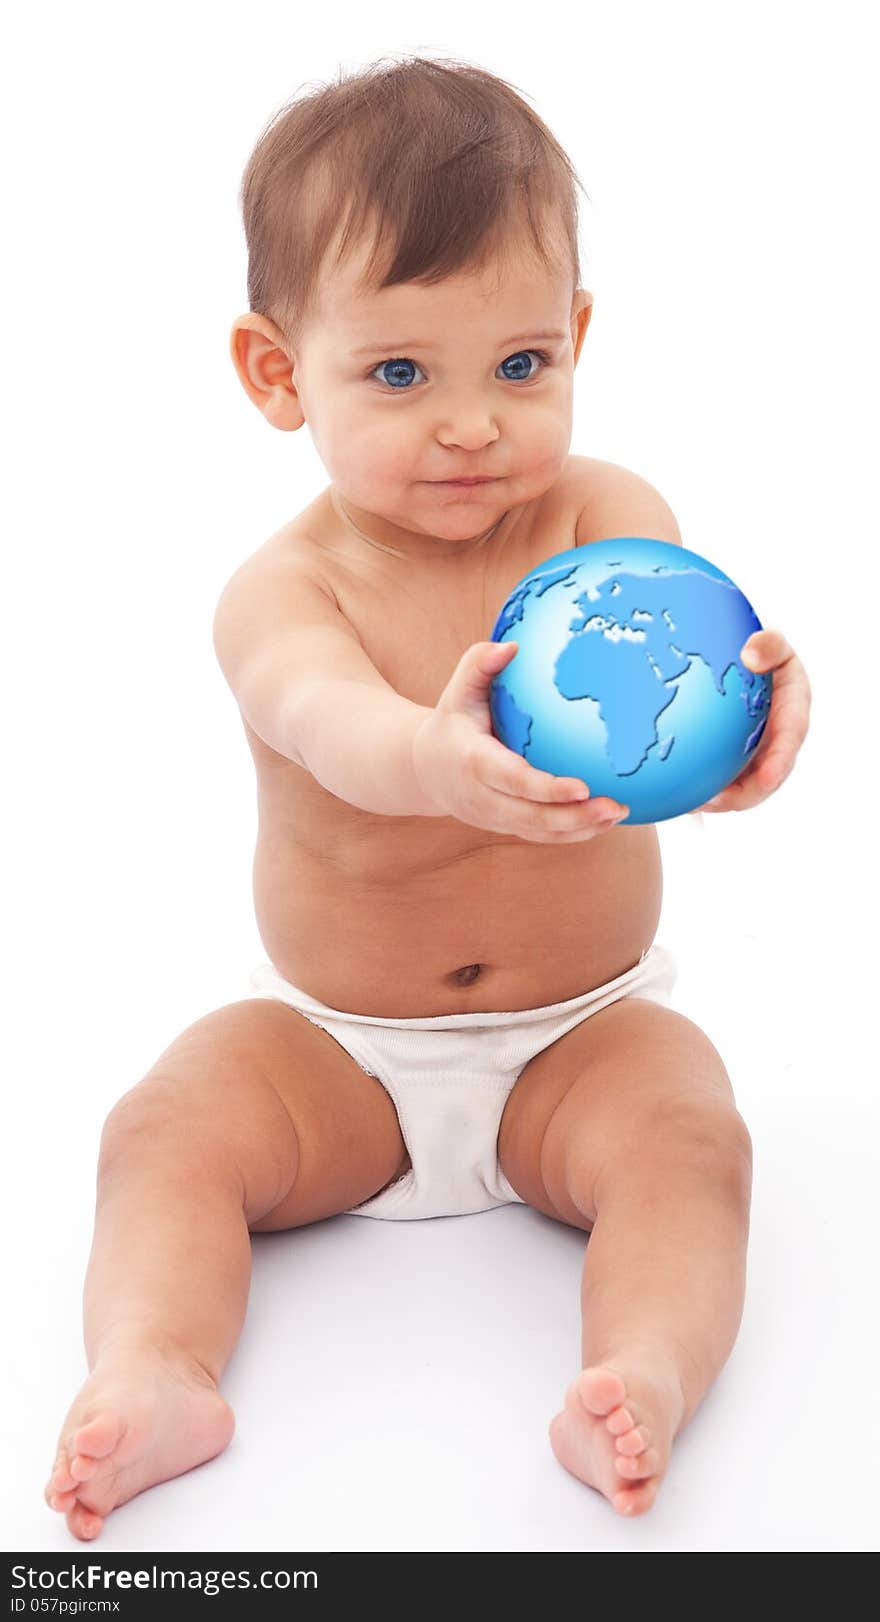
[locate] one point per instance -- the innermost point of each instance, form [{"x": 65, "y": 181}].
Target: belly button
[{"x": 466, "y": 975}]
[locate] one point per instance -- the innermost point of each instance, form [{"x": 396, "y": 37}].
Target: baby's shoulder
[
  {"x": 277, "y": 585},
  {"x": 294, "y": 551},
  {"x": 604, "y": 499}
]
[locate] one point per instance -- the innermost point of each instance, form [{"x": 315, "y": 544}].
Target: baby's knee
[
  {"x": 707, "y": 1133},
  {"x": 205, "y": 1108},
  {"x": 162, "y": 1119}
]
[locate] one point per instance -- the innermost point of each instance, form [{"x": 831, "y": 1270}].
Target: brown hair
[{"x": 441, "y": 158}]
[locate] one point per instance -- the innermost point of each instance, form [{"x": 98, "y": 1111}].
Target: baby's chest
[{"x": 416, "y": 635}]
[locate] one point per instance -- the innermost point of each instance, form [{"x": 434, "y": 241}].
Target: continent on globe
[{"x": 616, "y": 638}]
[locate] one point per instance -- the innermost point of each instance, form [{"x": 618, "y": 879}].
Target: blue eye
[
  {"x": 397, "y": 367},
  {"x": 397, "y": 373},
  {"x": 517, "y": 359}
]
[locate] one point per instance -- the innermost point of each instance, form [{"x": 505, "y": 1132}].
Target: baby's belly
[{"x": 487, "y": 925}]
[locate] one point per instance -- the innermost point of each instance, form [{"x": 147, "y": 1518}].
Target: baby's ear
[
  {"x": 265, "y": 370},
  {"x": 581, "y": 314}
]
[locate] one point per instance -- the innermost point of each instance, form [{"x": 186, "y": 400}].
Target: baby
[{"x": 464, "y": 1005}]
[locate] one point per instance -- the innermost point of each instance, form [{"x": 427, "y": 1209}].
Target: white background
[{"x": 395, "y": 1381}]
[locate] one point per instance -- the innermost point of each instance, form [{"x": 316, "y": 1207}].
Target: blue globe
[{"x": 628, "y": 675}]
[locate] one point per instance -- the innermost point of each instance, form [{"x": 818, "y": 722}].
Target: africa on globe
[{"x": 628, "y": 675}]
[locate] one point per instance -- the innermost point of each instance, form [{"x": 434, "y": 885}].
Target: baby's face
[{"x": 416, "y": 385}]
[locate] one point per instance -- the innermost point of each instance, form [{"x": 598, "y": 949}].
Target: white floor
[{"x": 394, "y": 1382}]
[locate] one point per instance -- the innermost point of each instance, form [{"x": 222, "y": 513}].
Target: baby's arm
[{"x": 304, "y": 683}]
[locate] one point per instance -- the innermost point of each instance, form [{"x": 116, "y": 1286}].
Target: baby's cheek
[{"x": 546, "y": 443}]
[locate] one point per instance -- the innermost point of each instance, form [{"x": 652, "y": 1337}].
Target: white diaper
[{"x": 450, "y": 1077}]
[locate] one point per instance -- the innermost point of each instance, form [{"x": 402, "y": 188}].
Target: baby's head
[{"x": 413, "y": 280}]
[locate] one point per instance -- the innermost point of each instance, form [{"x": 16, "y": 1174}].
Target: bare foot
[
  {"x": 616, "y": 1434},
  {"x": 142, "y": 1416}
]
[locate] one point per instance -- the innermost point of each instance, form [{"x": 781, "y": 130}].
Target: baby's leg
[
  {"x": 253, "y": 1119},
  {"x": 627, "y": 1127}
]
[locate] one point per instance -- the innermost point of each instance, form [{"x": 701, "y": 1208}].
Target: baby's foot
[
  {"x": 143, "y": 1416},
  {"x": 616, "y": 1434}
]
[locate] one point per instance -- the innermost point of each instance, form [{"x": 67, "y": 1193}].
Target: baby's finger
[
  {"x": 503, "y": 769},
  {"x": 741, "y": 795},
  {"x": 765, "y": 650},
  {"x": 547, "y": 823}
]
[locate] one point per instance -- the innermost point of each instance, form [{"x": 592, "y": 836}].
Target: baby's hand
[
  {"x": 469, "y": 774},
  {"x": 786, "y": 725}
]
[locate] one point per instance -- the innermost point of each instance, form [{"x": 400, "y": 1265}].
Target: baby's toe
[
  {"x": 619, "y": 1421},
  {"x": 632, "y": 1442},
  {"x": 83, "y": 1468},
  {"x": 84, "y": 1523},
  {"x": 600, "y": 1390},
  {"x": 61, "y": 1479},
  {"x": 59, "y": 1500},
  {"x": 99, "y": 1437},
  {"x": 635, "y": 1500},
  {"x": 636, "y": 1469}
]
